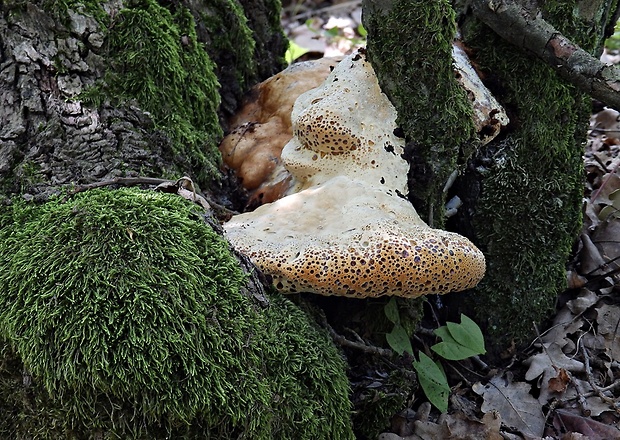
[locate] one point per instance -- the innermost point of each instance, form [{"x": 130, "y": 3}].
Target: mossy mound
[{"x": 124, "y": 315}]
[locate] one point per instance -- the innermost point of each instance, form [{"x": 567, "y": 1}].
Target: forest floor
[{"x": 566, "y": 383}]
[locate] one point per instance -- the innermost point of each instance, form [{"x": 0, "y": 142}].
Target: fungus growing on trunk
[
  {"x": 348, "y": 229},
  {"x": 262, "y": 127}
]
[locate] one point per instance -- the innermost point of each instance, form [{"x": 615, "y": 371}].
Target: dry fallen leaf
[
  {"x": 515, "y": 404},
  {"x": 608, "y": 319},
  {"x": 559, "y": 382},
  {"x": 566, "y": 421}
]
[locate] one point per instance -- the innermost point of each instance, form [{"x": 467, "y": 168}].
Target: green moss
[
  {"x": 376, "y": 407},
  {"x": 232, "y": 39},
  {"x": 128, "y": 314},
  {"x": 157, "y": 61},
  {"x": 530, "y": 210},
  {"x": 59, "y": 9},
  {"x": 411, "y": 47}
]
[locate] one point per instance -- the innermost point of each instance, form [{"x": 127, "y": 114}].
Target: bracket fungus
[
  {"x": 262, "y": 127},
  {"x": 348, "y": 229}
]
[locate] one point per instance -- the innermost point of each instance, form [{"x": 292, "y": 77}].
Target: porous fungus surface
[
  {"x": 346, "y": 238},
  {"x": 126, "y": 314},
  {"x": 262, "y": 127},
  {"x": 346, "y": 127},
  {"x": 347, "y": 228}
]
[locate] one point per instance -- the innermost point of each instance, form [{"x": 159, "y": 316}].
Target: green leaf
[
  {"x": 294, "y": 51},
  {"x": 362, "y": 30},
  {"x": 391, "y": 311},
  {"x": 459, "y": 341},
  {"x": 468, "y": 334},
  {"x": 452, "y": 352},
  {"x": 398, "y": 339},
  {"x": 332, "y": 32},
  {"x": 449, "y": 348},
  {"x": 433, "y": 381}
]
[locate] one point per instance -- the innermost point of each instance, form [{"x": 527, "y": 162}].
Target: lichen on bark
[{"x": 96, "y": 90}]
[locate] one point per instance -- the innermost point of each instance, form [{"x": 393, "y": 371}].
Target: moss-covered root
[{"x": 123, "y": 316}]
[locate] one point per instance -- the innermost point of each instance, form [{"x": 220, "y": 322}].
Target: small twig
[
  {"x": 581, "y": 399},
  {"x": 611, "y": 387},
  {"x": 591, "y": 381},
  {"x": 126, "y": 181},
  {"x": 426, "y": 331},
  {"x": 184, "y": 183},
  {"x": 481, "y": 364},
  {"x": 362, "y": 346},
  {"x": 456, "y": 370}
]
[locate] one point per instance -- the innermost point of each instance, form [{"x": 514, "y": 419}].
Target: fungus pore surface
[{"x": 348, "y": 228}]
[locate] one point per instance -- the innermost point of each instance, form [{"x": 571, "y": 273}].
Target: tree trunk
[
  {"x": 91, "y": 91},
  {"x": 522, "y": 192}
]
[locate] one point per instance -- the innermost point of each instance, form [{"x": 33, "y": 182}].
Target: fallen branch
[{"x": 528, "y": 30}]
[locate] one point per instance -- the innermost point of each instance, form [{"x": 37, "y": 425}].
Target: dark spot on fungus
[
  {"x": 389, "y": 148},
  {"x": 399, "y": 132}
]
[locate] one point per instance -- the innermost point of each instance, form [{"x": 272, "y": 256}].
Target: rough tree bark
[
  {"x": 97, "y": 90},
  {"x": 523, "y": 191}
]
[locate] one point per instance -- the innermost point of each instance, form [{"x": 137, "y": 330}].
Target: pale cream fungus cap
[{"x": 349, "y": 230}]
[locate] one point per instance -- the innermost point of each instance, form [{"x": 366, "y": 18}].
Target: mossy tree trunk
[
  {"x": 523, "y": 191},
  {"x": 95, "y": 90}
]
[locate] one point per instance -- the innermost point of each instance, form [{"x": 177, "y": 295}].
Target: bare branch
[{"x": 528, "y": 30}]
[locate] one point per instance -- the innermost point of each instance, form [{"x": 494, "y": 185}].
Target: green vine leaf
[
  {"x": 459, "y": 341},
  {"x": 391, "y": 311},
  {"x": 398, "y": 339},
  {"x": 433, "y": 381}
]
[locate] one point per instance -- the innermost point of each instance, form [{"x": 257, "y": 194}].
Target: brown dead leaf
[
  {"x": 606, "y": 122},
  {"x": 583, "y": 302},
  {"x": 515, "y": 404},
  {"x": 606, "y": 238},
  {"x": 608, "y": 319},
  {"x": 551, "y": 358},
  {"x": 559, "y": 382},
  {"x": 590, "y": 256},
  {"x": 566, "y": 421},
  {"x": 455, "y": 426},
  {"x": 564, "y": 323}
]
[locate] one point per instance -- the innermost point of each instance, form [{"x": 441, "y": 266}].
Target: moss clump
[
  {"x": 127, "y": 313},
  {"x": 157, "y": 61},
  {"x": 232, "y": 44},
  {"x": 375, "y": 407},
  {"x": 410, "y": 46},
  {"x": 530, "y": 210}
]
